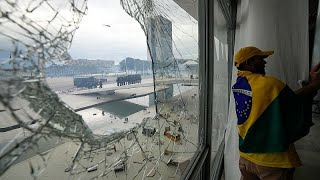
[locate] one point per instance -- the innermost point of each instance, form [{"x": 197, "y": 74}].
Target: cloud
[{"x": 123, "y": 38}]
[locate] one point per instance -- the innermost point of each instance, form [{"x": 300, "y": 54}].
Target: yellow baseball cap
[{"x": 248, "y": 52}]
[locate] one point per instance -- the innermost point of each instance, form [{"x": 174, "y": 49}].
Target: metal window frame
[
  {"x": 196, "y": 164},
  {"x": 201, "y": 166}
]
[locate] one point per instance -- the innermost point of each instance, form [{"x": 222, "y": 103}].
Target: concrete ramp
[
  {"x": 81, "y": 102},
  {"x": 135, "y": 87}
]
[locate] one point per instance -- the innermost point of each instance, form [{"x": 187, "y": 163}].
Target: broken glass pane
[{"x": 47, "y": 133}]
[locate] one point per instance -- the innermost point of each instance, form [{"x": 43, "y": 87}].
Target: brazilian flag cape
[{"x": 270, "y": 115}]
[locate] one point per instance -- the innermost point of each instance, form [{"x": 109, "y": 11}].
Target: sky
[{"x": 124, "y": 38}]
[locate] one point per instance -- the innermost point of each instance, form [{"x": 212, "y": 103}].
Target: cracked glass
[{"x": 49, "y": 131}]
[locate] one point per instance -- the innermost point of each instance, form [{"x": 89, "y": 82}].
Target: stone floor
[{"x": 308, "y": 149}]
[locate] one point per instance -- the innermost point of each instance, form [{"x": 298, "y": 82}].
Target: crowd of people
[{"x": 129, "y": 79}]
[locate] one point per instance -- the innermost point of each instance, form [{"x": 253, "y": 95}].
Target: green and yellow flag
[{"x": 270, "y": 115}]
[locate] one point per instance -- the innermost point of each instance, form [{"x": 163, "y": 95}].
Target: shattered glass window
[
  {"x": 59, "y": 115},
  {"x": 220, "y": 80}
]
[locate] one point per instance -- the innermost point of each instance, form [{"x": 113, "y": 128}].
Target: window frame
[{"x": 201, "y": 165}]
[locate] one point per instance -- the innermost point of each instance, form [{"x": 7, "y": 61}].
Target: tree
[{"x": 136, "y": 65}]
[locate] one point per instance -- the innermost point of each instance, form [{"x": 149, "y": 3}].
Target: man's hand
[
  {"x": 315, "y": 76},
  {"x": 313, "y": 86}
]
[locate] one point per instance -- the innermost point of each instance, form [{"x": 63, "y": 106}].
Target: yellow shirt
[{"x": 288, "y": 159}]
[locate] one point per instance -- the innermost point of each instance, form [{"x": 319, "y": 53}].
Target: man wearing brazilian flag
[{"x": 271, "y": 117}]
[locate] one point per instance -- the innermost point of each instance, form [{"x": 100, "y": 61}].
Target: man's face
[{"x": 258, "y": 64}]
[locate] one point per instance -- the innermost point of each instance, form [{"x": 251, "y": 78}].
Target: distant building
[
  {"x": 116, "y": 68},
  {"x": 191, "y": 66},
  {"x": 80, "y": 67},
  {"x": 160, "y": 43},
  {"x": 188, "y": 67},
  {"x": 103, "y": 64}
]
